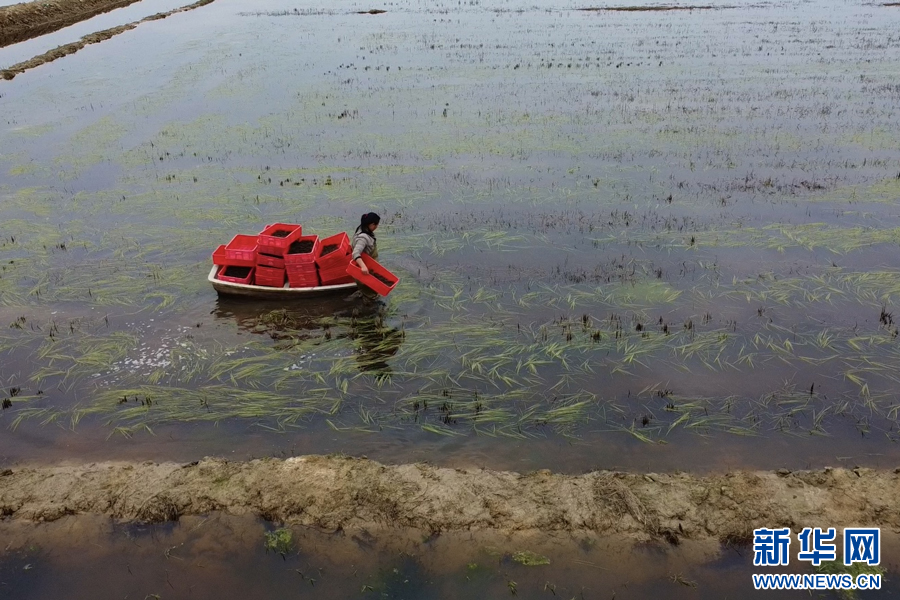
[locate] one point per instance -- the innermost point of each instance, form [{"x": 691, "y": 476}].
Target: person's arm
[{"x": 359, "y": 246}]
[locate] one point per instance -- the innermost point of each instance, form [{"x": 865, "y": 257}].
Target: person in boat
[{"x": 364, "y": 242}]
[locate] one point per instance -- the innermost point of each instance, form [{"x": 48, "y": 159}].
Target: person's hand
[{"x": 364, "y": 269}]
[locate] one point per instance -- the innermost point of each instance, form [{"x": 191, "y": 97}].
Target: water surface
[{"x": 647, "y": 240}]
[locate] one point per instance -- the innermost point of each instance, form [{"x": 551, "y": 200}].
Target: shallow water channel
[
  {"x": 647, "y": 240},
  {"x": 234, "y": 557}
]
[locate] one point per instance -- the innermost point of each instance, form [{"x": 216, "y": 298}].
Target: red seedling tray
[
  {"x": 335, "y": 276},
  {"x": 242, "y": 247},
  {"x": 305, "y": 258},
  {"x": 295, "y": 281},
  {"x": 369, "y": 280},
  {"x": 269, "y": 260},
  {"x": 245, "y": 280},
  {"x": 336, "y": 258},
  {"x": 271, "y": 244},
  {"x": 301, "y": 270},
  {"x": 220, "y": 258},
  {"x": 336, "y": 279},
  {"x": 269, "y": 277}
]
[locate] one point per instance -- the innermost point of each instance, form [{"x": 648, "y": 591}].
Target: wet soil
[
  {"x": 328, "y": 249},
  {"x": 338, "y": 492},
  {"x": 93, "y": 38},
  {"x": 281, "y": 233},
  {"x": 24, "y": 21},
  {"x": 240, "y": 272},
  {"x": 383, "y": 279},
  {"x": 304, "y": 247}
]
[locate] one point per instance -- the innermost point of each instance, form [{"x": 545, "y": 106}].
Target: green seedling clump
[
  {"x": 280, "y": 541},
  {"x": 530, "y": 559}
]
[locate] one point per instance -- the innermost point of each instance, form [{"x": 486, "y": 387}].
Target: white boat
[{"x": 262, "y": 292}]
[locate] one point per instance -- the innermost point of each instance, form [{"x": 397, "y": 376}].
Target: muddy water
[
  {"x": 635, "y": 240},
  {"x": 226, "y": 557}
]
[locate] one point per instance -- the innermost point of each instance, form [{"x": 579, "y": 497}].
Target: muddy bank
[
  {"x": 339, "y": 492},
  {"x": 93, "y": 38},
  {"x": 24, "y": 21}
]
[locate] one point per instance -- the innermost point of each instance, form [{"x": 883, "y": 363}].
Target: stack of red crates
[
  {"x": 269, "y": 277},
  {"x": 236, "y": 259},
  {"x": 273, "y": 243},
  {"x": 273, "y": 256},
  {"x": 301, "y": 268},
  {"x": 333, "y": 266}
]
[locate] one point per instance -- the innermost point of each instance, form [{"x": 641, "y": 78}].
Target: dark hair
[{"x": 366, "y": 220}]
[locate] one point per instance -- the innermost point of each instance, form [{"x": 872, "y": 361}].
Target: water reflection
[
  {"x": 366, "y": 324},
  {"x": 376, "y": 343}
]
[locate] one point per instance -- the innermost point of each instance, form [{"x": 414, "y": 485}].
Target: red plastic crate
[
  {"x": 269, "y": 277},
  {"x": 369, "y": 280},
  {"x": 335, "y": 276},
  {"x": 306, "y": 258},
  {"x": 301, "y": 271},
  {"x": 336, "y": 279},
  {"x": 269, "y": 260},
  {"x": 220, "y": 258},
  {"x": 233, "y": 279},
  {"x": 336, "y": 258},
  {"x": 270, "y": 244},
  {"x": 296, "y": 281},
  {"x": 242, "y": 247}
]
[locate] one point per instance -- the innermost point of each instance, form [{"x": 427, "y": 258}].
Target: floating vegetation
[
  {"x": 280, "y": 541},
  {"x": 649, "y": 8},
  {"x": 837, "y": 567},
  {"x": 296, "y": 12},
  {"x": 474, "y": 375},
  {"x": 530, "y": 559}
]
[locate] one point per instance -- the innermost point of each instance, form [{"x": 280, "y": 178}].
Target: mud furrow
[
  {"x": 347, "y": 493},
  {"x": 20, "y": 22},
  {"x": 92, "y": 38}
]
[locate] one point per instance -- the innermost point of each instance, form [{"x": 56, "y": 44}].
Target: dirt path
[
  {"x": 92, "y": 38},
  {"x": 350, "y": 493},
  {"x": 24, "y": 21}
]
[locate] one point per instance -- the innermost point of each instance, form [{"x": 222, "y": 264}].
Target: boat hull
[{"x": 226, "y": 288}]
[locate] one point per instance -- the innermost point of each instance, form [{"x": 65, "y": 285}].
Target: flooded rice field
[
  {"x": 647, "y": 239},
  {"x": 627, "y": 237}
]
